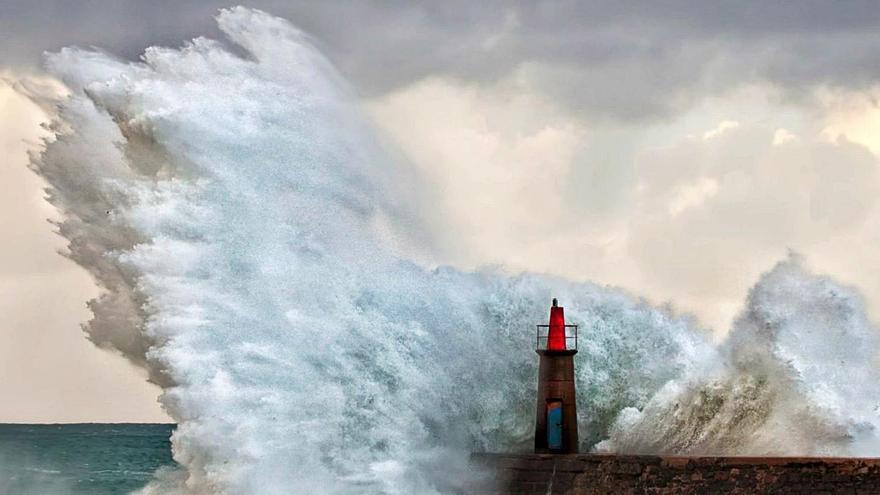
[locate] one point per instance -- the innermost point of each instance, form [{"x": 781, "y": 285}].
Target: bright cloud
[{"x": 695, "y": 220}]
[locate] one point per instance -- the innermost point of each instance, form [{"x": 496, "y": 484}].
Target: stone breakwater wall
[{"x": 583, "y": 474}]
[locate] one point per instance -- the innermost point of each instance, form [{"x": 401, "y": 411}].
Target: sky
[{"x": 674, "y": 149}]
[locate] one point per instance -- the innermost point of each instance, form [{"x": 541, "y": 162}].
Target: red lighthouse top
[{"x": 556, "y": 333}]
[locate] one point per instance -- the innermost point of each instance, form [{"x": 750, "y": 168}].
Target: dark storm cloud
[{"x": 602, "y": 59}]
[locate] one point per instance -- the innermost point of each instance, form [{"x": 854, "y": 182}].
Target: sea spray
[
  {"x": 248, "y": 232},
  {"x": 797, "y": 375}
]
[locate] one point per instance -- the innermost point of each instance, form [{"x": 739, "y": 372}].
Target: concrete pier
[{"x": 589, "y": 474}]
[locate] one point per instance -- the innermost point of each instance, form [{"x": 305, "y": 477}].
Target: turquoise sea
[{"x": 98, "y": 459}]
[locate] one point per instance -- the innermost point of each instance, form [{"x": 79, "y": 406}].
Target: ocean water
[{"x": 95, "y": 459}]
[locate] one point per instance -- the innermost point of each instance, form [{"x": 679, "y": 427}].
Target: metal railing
[{"x": 542, "y": 336}]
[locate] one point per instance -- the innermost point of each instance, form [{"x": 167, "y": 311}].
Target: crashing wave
[{"x": 253, "y": 241}]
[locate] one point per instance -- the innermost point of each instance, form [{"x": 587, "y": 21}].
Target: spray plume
[{"x": 245, "y": 227}]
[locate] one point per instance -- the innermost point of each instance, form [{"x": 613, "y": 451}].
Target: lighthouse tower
[{"x": 556, "y": 429}]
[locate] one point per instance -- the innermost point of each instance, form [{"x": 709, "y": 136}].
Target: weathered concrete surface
[{"x": 582, "y": 474}]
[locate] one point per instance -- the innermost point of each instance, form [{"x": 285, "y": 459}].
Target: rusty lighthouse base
[{"x": 556, "y": 429}]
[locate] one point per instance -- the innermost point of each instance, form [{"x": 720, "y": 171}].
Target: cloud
[
  {"x": 782, "y": 136},
  {"x": 497, "y": 161},
  {"x": 691, "y": 216},
  {"x": 853, "y": 116},
  {"x": 713, "y": 213},
  {"x": 692, "y": 195},
  {"x": 622, "y": 61},
  {"x": 723, "y": 126}
]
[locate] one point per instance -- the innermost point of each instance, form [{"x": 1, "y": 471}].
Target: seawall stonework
[{"x": 583, "y": 474}]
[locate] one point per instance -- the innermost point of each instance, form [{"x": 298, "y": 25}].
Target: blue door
[{"x": 554, "y": 425}]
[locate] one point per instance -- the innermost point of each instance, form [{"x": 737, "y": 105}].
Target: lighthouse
[{"x": 556, "y": 429}]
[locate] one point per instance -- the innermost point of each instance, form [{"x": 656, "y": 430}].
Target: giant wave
[{"x": 255, "y": 244}]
